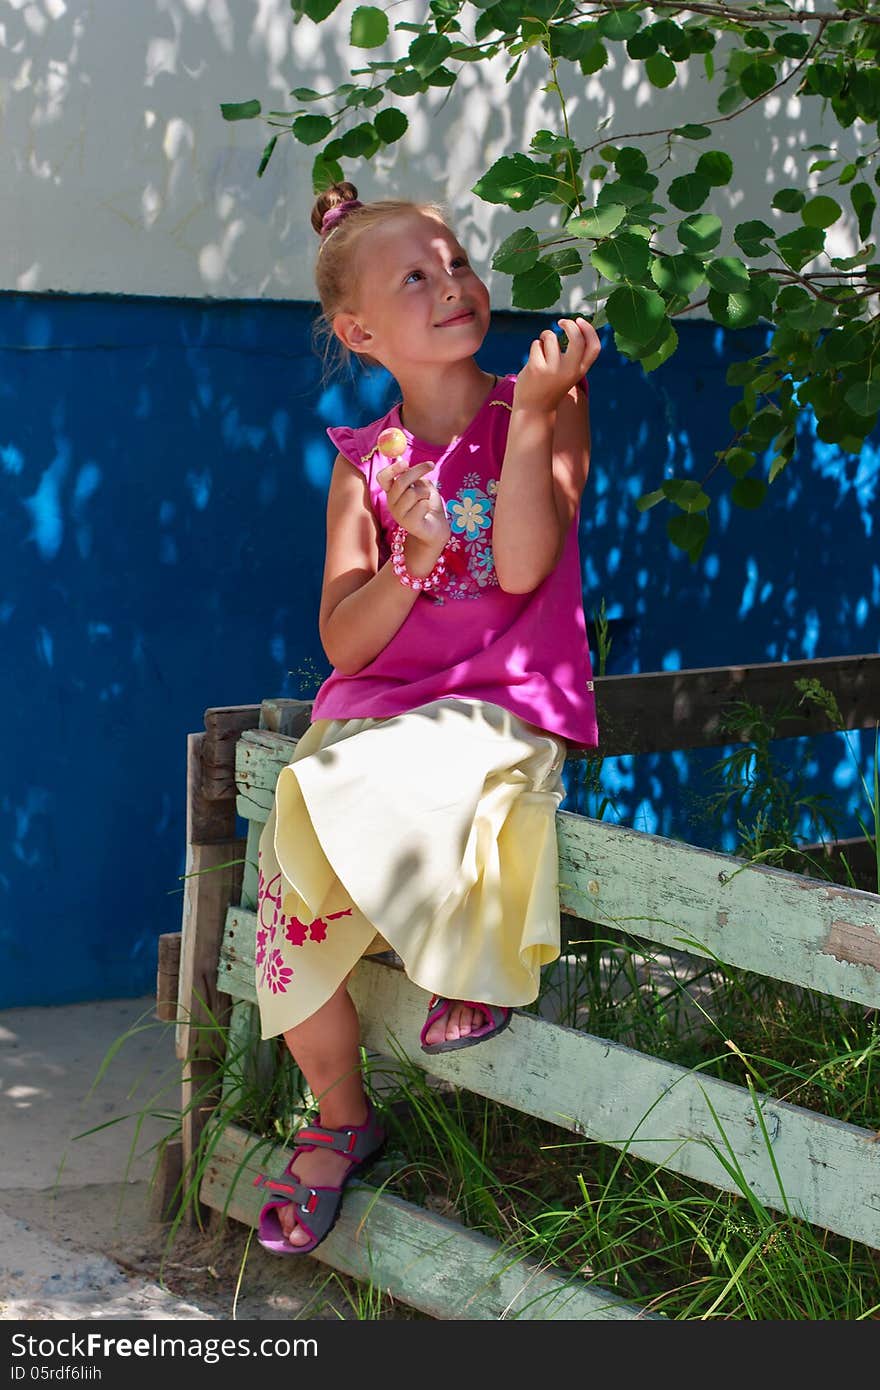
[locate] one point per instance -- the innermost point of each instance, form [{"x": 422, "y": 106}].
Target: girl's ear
[{"x": 352, "y": 333}]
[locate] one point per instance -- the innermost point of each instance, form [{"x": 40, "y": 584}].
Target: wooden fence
[{"x": 802, "y": 930}]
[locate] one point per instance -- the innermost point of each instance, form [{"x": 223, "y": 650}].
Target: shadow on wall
[
  {"x": 113, "y": 139},
  {"x": 164, "y": 468}
]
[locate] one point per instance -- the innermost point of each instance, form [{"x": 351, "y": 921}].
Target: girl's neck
[{"x": 439, "y": 403}]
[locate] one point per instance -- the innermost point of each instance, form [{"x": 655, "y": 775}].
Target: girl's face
[{"x": 418, "y": 300}]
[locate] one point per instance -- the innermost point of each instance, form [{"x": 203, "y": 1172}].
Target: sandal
[
  {"x": 320, "y": 1205},
  {"x": 497, "y": 1019}
]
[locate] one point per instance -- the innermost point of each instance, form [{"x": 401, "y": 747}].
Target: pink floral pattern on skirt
[{"x": 274, "y": 973}]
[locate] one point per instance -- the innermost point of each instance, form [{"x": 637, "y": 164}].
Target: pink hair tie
[{"x": 334, "y": 215}]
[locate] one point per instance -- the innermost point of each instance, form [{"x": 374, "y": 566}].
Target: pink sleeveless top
[{"x": 525, "y": 652}]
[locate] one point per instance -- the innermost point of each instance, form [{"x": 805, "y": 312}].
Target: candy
[{"x": 392, "y": 442}]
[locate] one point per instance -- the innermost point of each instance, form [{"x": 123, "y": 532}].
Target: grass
[{"x": 594, "y": 1212}]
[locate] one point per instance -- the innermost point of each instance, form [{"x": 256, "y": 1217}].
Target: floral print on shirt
[{"x": 470, "y": 563}]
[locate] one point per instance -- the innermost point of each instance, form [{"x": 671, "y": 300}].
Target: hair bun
[{"x": 331, "y": 198}]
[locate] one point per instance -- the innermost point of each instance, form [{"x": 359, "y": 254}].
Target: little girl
[{"x": 418, "y": 813}]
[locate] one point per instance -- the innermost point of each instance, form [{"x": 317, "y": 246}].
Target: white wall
[{"x": 118, "y": 174}]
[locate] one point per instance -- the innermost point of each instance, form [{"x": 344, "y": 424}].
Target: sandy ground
[{"x": 77, "y": 1238}]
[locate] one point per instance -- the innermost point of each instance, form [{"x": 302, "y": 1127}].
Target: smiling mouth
[{"x": 458, "y": 318}]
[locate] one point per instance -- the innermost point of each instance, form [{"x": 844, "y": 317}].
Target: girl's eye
[{"x": 411, "y": 274}]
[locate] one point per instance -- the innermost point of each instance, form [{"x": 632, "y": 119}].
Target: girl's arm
[
  {"x": 362, "y": 606},
  {"x": 546, "y": 460}
]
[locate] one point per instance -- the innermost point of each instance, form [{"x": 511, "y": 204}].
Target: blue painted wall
[{"x": 164, "y": 469}]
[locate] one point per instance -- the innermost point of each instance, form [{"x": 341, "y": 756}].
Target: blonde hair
[{"x": 335, "y": 267}]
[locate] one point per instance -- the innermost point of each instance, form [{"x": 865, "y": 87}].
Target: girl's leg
[{"x": 326, "y": 1049}]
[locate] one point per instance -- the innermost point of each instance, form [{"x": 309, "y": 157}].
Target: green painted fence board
[
  {"x": 423, "y": 1259},
  {"x": 804, "y": 931},
  {"x": 612, "y": 1094}
]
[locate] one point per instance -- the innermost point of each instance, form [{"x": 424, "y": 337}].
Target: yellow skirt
[{"x": 432, "y": 833}]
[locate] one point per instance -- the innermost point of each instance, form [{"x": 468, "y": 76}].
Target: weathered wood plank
[
  {"x": 654, "y": 1109},
  {"x": 859, "y": 854},
  {"x": 223, "y": 725},
  {"x": 290, "y": 717},
  {"x": 212, "y": 883},
  {"x": 802, "y": 930},
  {"x": 658, "y": 711},
  {"x": 420, "y": 1258},
  {"x": 167, "y": 976},
  {"x": 663, "y": 710},
  {"x": 209, "y": 820}
]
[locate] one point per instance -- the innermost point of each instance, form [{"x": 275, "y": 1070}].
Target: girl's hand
[
  {"x": 550, "y": 373},
  {"x": 415, "y": 503}
]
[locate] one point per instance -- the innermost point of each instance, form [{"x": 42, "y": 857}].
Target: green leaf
[
  {"x": 390, "y": 125},
  {"x": 688, "y": 532},
  {"x": 636, "y": 312},
  {"x": 631, "y": 163},
  {"x": 791, "y": 45},
  {"x": 310, "y": 129},
  {"x": 863, "y": 397},
  {"x": 689, "y": 192},
  {"x": 619, "y": 24},
  {"x": 307, "y": 94},
  {"x": 850, "y": 262},
  {"x": 820, "y": 212},
  {"x": 518, "y": 252},
  {"x": 325, "y": 172},
  {"x": 516, "y": 181},
  {"x": 756, "y": 78},
  {"x": 597, "y": 222},
  {"x": 738, "y": 373},
  {"x": 318, "y": 10},
  {"x": 643, "y": 45},
  {"x": 680, "y": 274},
  {"x": 737, "y": 310},
  {"x": 730, "y": 98},
  {"x": 568, "y": 261},
  {"x": 728, "y": 274},
  {"x": 750, "y": 237},
  {"x": 715, "y": 167},
  {"x": 625, "y": 257},
  {"x": 405, "y": 84},
  {"x": 538, "y": 288},
  {"x": 686, "y": 494},
  {"x": 630, "y": 194},
  {"x": 739, "y": 461},
  {"x": 800, "y": 247},
  {"x": 548, "y": 142},
  {"x": 756, "y": 38},
  {"x": 776, "y": 467},
  {"x": 240, "y": 110},
  {"x": 428, "y": 52},
  {"x": 655, "y": 359},
  {"x": 748, "y": 492},
  {"x": 369, "y": 27},
  {"x": 572, "y": 41},
  {"x": 594, "y": 59},
  {"x": 361, "y": 142},
  {"x": 660, "y": 70},
  {"x": 700, "y": 233},
  {"x": 789, "y": 200},
  {"x": 864, "y": 205},
  {"x": 268, "y": 151},
  {"x": 693, "y": 132},
  {"x": 650, "y": 499}
]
